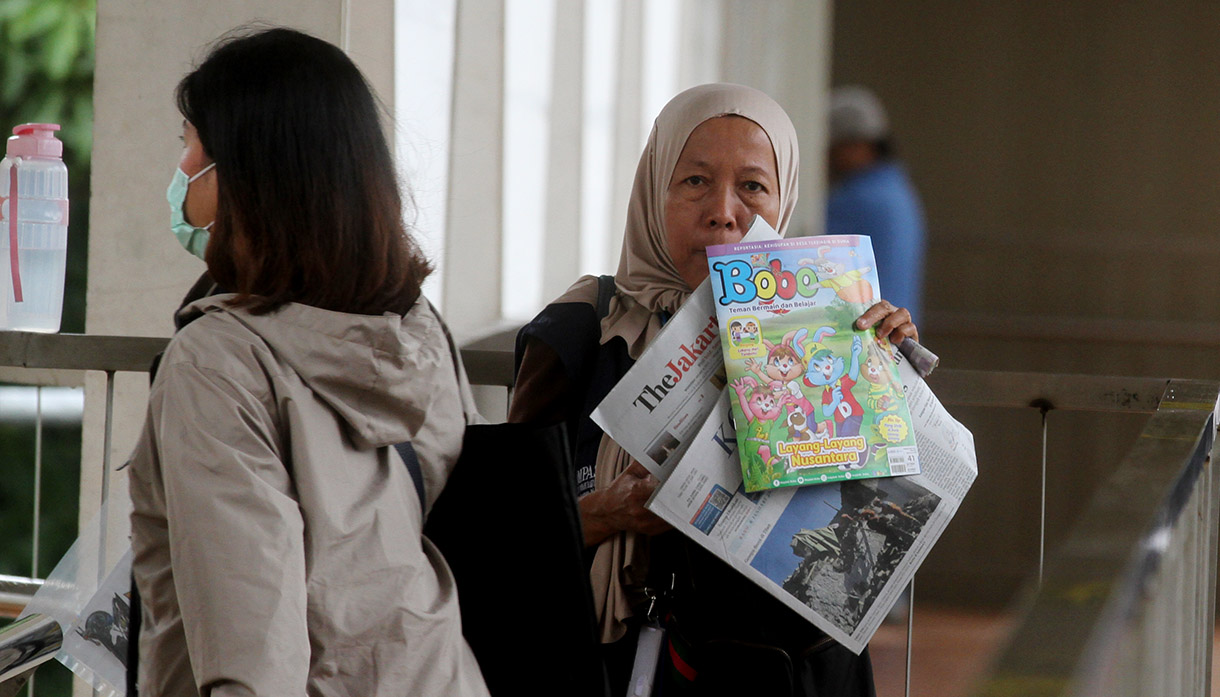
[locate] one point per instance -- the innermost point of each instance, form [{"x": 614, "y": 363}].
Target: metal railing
[
  {"x": 1116, "y": 581},
  {"x": 24, "y": 645},
  {"x": 35, "y": 639},
  {"x": 15, "y": 594},
  {"x": 1127, "y": 602}
]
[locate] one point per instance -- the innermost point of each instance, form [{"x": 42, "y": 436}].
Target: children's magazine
[{"x": 814, "y": 399}]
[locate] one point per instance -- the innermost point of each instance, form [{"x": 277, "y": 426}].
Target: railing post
[
  {"x": 37, "y": 482},
  {"x": 1044, "y": 406},
  {"x": 1207, "y": 572},
  {"x": 1117, "y": 611},
  {"x": 37, "y": 533},
  {"x": 108, "y": 433},
  {"x": 910, "y": 635}
]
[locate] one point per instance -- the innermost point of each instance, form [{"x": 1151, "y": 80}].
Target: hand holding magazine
[{"x": 814, "y": 399}]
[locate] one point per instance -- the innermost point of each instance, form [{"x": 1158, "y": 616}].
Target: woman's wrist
[{"x": 594, "y": 519}]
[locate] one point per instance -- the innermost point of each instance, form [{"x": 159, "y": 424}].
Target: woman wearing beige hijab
[{"x": 717, "y": 156}]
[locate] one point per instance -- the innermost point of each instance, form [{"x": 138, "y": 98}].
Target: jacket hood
[{"x": 379, "y": 374}]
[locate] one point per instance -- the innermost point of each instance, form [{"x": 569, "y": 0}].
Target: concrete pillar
[
  {"x": 368, "y": 37},
  {"x": 562, "y": 243}
]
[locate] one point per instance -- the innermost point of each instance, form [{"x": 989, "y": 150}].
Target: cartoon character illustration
[
  {"x": 850, "y": 286},
  {"x": 751, "y": 331},
  {"x": 883, "y": 394},
  {"x": 827, "y": 371},
  {"x": 759, "y": 259},
  {"x": 735, "y": 332},
  {"x": 798, "y": 424},
  {"x": 784, "y": 364},
  {"x": 762, "y": 410}
]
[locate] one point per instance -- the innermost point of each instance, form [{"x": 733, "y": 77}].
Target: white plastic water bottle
[{"x": 33, "y": 229}]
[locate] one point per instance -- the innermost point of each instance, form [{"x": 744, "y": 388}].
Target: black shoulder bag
[{"x": 509, "y": 526}]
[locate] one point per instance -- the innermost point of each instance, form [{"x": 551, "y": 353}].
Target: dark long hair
[{"x": 309, "y": 209}]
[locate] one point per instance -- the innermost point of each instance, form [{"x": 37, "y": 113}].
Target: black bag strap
[
  {"x": 407, "y": 451},
  {"x": 605, "y": 293}
]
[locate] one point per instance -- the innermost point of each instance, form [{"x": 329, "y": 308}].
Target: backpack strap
[
  {"x": 605, "y": 293},
  {"x": 407, "y": 451}
]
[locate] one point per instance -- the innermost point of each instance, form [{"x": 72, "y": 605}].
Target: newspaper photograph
[{"x": 839, "y": 554}]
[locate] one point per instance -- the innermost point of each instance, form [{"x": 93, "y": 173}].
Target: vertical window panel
[
  {"x": 474, "y": 236},
  {"x": 628, "y": 140},
  {"x": 699, "y": 44},
  {"x": 661, "y": 51},
  {"x": 423, "y": 89},
  {"x": 529, "y": 44},
  {"x": 601, "y": 72},
  {"x": 562, "y": 244}
]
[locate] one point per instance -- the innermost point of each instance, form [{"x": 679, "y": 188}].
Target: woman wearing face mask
[
  {"x": 276, "y": 532},
  {"x": 193, "y": 239},
  {"x": 717, "y": 156}
]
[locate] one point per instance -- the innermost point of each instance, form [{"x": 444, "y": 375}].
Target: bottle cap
[{"x": 35, "y": 140}]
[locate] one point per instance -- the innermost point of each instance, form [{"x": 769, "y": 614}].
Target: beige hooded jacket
[{"x": 277, "y": 539}]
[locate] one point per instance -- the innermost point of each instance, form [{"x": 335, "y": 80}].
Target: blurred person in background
[{"x": 871, "y": 194}]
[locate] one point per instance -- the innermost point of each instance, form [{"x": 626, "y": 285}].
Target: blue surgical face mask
[{"x": 194, "y": 239}]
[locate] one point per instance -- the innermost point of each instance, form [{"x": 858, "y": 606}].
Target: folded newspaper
[
  {"x": 839, "y": 554},
  {"x": 659, "y": 405},
  {"x": 656, "y": 409}
]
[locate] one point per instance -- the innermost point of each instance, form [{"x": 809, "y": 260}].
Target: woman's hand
[
  {"x": 893, "y": 323},
  {"x": 620, "y": 506}
]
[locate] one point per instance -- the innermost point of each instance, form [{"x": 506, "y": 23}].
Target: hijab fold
[{"x": 648, "y": 284}]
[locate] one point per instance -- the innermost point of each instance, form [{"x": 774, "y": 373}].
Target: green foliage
[
  {"x": 60, "y": 490},
  {"x": 46, "y": 67},
  {"x": 61, "y": 447},
  {"x": 46, "y": 75}
]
